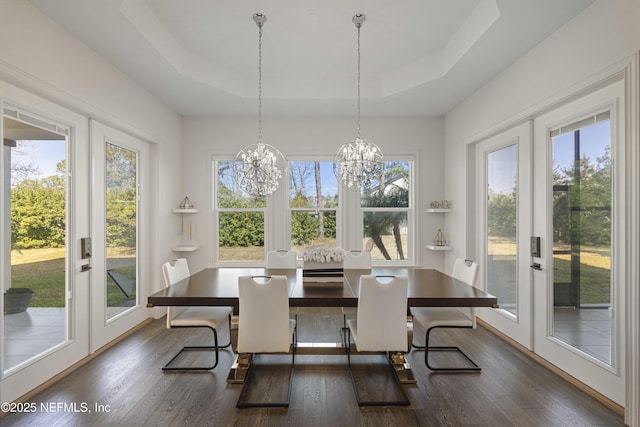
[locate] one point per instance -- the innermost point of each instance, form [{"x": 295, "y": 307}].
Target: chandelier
[
  {"x": 259, "y": 168},
  {"x": 358, "y": 163}
]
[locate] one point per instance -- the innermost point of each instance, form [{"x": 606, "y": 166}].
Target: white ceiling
[{"x": 419, "y": 57}]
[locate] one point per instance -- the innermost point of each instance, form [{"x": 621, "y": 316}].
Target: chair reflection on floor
[{"x": 264, "y": 327}]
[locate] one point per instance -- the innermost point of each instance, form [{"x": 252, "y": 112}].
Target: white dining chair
[
  {"x": 284, "y": 259},
  {"x": 381, "y": 322},
  {"x": 431, "y": 318},
  {"x": 193, "y": 317},
  {"x": 264, "y": 324},
  {"x": 353, "y": 260}
]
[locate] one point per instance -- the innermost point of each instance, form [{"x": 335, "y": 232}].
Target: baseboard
[{"x": 553, "y": 368}]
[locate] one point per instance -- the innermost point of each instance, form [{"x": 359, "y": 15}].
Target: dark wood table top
[{"x": 219, "y": 286}]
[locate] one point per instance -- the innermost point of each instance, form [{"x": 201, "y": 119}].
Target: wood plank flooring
[{"x": 127, "y": 383}]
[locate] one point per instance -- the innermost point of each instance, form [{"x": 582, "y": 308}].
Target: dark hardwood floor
[{"x": 125, "y": 386}]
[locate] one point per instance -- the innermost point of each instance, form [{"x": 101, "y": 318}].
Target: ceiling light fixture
[
  {"x": 358, "y": 163},
  {"x": 259, "y": 168}
]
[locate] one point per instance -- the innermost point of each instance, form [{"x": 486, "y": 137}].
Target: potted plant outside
[{"x": 17, "y": 300}]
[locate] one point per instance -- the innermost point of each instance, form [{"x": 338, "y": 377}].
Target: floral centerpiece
[
  {"x": 322, "y": 264},
  {"x": 322, "y": 254}
]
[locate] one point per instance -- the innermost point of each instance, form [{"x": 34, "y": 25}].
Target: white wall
[
  {"x": 605, "y": 33},
  {"x": 40, "y": 57},
  {"x": 421, "y": 137},
  {"x": 597, "y": 40}
]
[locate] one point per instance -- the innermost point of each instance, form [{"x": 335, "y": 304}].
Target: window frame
[
  {"x": 409, "y": 209},
  {"x": 216, "y": 210},
  {"x": 349, "y": 215},
  {"x": 290, "y": 210}
]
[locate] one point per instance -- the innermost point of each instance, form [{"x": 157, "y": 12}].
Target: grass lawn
[
  {"x": 42, "y": 271},
  {"x": 253, "y": 253},
  {"x": 594, "y": 272},
  {"x": 44, "y": 278}
]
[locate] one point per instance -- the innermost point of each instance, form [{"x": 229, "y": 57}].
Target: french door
[
  {"x": 551, "y": 227},
  {"x": 503, "y": 219},
  {"x": 45, "y": 169},
  {"x": 579, "y": 205},
  {"x": 120, "y": 173}
]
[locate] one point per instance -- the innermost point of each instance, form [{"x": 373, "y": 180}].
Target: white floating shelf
[
  {"x": 185, "y": 211},
  {"x": 438, "y": 210},
  {"x": 439, "y": 248},
  {"x": 184, "y": 248}
]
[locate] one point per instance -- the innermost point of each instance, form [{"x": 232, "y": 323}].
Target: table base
[{"x": 242, "y": 363}]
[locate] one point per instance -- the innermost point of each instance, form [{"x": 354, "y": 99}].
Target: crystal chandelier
[
  {"x": 358, "y": 163},
  {"x": 259, "y": 168}
]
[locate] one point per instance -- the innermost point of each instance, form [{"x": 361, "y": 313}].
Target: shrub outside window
[
  {"x": 386, "y": 205},
  {"x": 240, "y": 217}
]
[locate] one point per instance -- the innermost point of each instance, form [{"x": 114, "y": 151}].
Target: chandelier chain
[
  {"x": 259, "y": 83},
  {"x": 359, "y": 26},
  {"x": 259, "y": 168}
]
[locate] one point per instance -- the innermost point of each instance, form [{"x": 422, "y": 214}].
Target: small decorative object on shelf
[
  {"x": 186, "y": 203},
  {"x": 439, "y": 240},
  {"x": 440, "y": 204}
]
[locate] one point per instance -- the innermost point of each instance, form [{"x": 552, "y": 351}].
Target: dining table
[{"x": 218, "y": 286}]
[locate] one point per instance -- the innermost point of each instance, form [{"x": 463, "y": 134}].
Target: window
[
  {"x": 378, "y": 219},
  {"x": 386, "y": 213},
  {"x": 313, "y": 202},
  {"x": 240, "y": 217}
]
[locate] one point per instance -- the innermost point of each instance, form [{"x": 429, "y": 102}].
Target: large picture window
[{"x": 378, "y": 219}]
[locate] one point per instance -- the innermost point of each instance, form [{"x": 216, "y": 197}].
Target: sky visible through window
[
  {"x": 42, "y": 154},
  {"x": 327, "y": 177},
  {"x": 594, "y": 141}
]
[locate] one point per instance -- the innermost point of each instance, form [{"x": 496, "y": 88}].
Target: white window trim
[{"x": 349, "y": 214}]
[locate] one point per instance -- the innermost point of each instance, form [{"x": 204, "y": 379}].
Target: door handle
[{"x": 536, "y": 266}]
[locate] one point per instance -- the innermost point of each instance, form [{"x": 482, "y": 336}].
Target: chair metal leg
[
  {"x": 429, "y": 348},
  {"x": 248, "y": 378},
  {"x": 213, "y": 348},
  {"x": 344, "y": 331},
  {"x": 403, "y": 402},
  {"x": 248, "y": 382},
  {"x": 347, "y": 338}
]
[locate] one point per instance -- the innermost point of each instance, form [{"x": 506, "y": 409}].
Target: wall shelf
[
  {"x": 439, "y": 248},
  {"x": 185, "y": 211},
  {"x": 430, "y": 210},
  {"x": 184, "y": 248},
  {"x": 186, "y": 231}
]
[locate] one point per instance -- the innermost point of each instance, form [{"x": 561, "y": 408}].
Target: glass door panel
[
  {"x": 502, "y": 203},
  {"x": 35, "y": 281},
  {"x": 121, "y": 229},
  {"x": 582, "y": 236},
  {"x": 503, "y": 218}
]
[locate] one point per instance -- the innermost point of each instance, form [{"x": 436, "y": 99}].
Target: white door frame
[
  {"x": 24, "y": 378},
  {"x": 102, "y": 330},
  {"x": 608, "y": 380},
  {"x": 627, "y": 69},
  {"x": 517, "y": 327}
]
